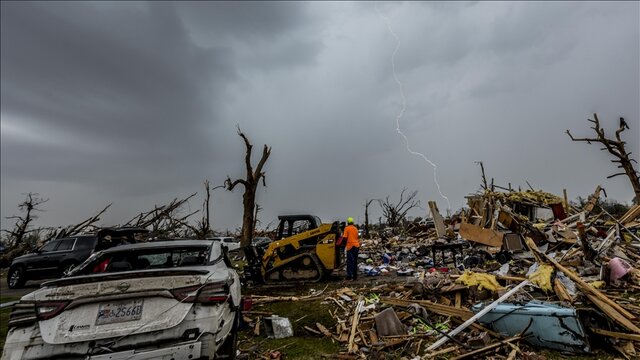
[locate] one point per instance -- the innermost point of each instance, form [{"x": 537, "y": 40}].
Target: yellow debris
[
  {"x": 597, "y": 284},
  {"x": 542, "y": 277},
  {"x": 483, "y": 281},
  {"x": 539, "y": 226}
]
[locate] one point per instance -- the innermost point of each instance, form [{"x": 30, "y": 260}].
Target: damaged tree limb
[{"x": 617, "y": 149}]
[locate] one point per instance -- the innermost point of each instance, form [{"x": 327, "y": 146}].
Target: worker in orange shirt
[{"x": 352, "y": 247}]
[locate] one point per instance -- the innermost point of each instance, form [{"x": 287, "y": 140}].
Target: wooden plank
[
  {"x": 483, "y": 236},
  {"x": 352, "y": 347},
  {"x": 617, "y": 335},
  {"x": 441, "y": 352},
  {"x": 437, "y": 219},
  {"x": 593, "y": 200},
  {"x": 458, "y": 299},
  {"x": 613, "y": 314},
  {"x": 487, "y": 348},
  {"x": 312, "y": 330},
  {"x": 561, "y": 291},
  {"x": 431, "y": 306},
  {"x": 373, "y": 336},
  {"x": 324, "y": 330}
]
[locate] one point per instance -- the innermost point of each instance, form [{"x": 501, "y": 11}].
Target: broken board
[{"x": 483, "y": 236}]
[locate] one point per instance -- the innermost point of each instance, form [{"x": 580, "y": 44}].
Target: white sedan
[{"x": 160, "y": 300}]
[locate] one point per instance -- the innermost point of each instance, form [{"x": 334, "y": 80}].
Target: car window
[
  {"x": 85, "y": 243},
  {"x": 229, "y": 240},
  {"x": 50, "y": 246},
  {"x": 66, "y": 244},
  {"x": 162, "y": 258}
]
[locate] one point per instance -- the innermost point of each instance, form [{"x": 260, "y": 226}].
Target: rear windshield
[
  {"x": 85, "y": 243},
  {"x": 143, "y": 259}
]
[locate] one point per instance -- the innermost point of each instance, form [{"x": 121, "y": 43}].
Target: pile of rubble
[{"x": 517, "y": 272}]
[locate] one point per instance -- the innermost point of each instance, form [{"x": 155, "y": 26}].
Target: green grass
[
  {"x": 4, "y": 320},
  {"x": 302, "y": 345},
  {"x": 4, "y": 324}
]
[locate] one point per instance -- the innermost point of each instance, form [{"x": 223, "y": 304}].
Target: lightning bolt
[{"x": 404, "y": 107}]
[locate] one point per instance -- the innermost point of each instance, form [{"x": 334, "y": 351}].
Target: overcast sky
[{"x": 137, "y": 103}]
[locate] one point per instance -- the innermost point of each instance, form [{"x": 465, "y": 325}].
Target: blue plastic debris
[{"x": 547, "y": 325}]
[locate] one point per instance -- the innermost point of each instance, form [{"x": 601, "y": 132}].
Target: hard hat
[{"x": 349, "y": 220}]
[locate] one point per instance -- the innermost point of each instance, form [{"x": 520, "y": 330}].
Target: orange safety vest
[{"x": 351, "y": 234}]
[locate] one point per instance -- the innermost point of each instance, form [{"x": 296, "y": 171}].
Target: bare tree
[
  {"x": 395, "y": 213},
  {"x": 79, "y": 227},
  {"x": 250, "y": 183},
  {"x": 616, "y": 148},
  {"x": 164, "y": 221},
  {"x": 366, "y": 218},
  {"x": 203, "y": 228},
  {"x": 28, "y": 207}
]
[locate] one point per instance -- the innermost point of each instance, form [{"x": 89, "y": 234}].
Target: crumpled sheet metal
[{"x": 546, "y": 324}]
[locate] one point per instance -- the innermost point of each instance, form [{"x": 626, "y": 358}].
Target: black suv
[{"x": 58, "y": 256}]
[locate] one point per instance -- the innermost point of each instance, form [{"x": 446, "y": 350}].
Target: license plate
[{"x": 119, "y": 311}]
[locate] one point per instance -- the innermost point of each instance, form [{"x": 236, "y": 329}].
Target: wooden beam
[
  {"x": 441, "y": 230},
  {"x": 487, "y": 348},
  {"x": 352, "y": 347},
  {"x": 617, "y": 335}
]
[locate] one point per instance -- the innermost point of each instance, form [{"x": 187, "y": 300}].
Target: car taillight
[
  {"x": 246, "y": 303},
  {"x": 211, "y": 293},
  {"x": 47, "y": 309}
]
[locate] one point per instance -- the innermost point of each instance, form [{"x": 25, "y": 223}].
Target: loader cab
[{"x": 295, "y": 224}]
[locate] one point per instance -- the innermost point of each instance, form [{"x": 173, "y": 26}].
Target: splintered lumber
[
  {"x": 440, "y": 352},
  {"x": 373, "y": 336},
  {"x": 364, "y": 340},
  {"x": 431, "y": 306},
  {"x": 593, "y": 200},
  {"x": 393, "y": 342},
  {"x": 256, "y": 328},
  {"x": 323, "y": 330},
  {"x": 487, "y": 348},
  {"x": 477, "y": 316},
  {"x": 352, "y": 347},
  {"x": 313, "y": 331},
  {"x": 561, "y": 291},
  {"x": 483, "y": 236},
  {"x": 618, "y": 335},
  {"x": 613, "y": 314},
  {"x": 441, "y": 230},
  {"x": 458, "y": 299}
]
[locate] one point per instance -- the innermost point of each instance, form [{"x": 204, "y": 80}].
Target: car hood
[{"x": 25, "y": 257}]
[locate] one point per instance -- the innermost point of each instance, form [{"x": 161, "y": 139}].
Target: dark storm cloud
[
  {"x": 136, "y": 103},
  {"x": 137, "y": 87}
]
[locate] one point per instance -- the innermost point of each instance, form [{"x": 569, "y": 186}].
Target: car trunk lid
[{"x": 120, "y": 306}]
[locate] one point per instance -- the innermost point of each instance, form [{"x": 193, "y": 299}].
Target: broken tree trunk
[{"x": 250, "y": 183}]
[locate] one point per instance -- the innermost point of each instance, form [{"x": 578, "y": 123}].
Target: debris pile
[{"x": 516, "y": 273}]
